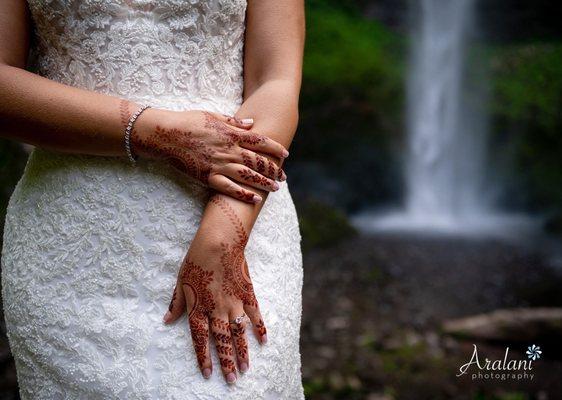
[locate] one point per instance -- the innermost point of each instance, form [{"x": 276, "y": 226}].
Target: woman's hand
[
  {"x": 215, "y": 282},
  {"x": 215, "y": 149}
]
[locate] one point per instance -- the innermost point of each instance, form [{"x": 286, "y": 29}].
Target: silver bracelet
[{"x": 128, "y": 131}]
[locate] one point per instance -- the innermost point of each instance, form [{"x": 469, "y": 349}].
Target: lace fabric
[{"x": 92, "y": 245}]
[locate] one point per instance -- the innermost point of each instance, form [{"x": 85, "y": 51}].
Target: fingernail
[
  {"x": 207, "y": 373},
  {"x": 264, "y": 339},
  {"x": 247, "y": 121},
  {"x": 283, "y": 177},
  {"x": 167, "y": 316},
  {"x": 231, "y": 378},
  {"x": 285, "y": 153},
  {"x": 256, "y": 199},
  {"x": 243, "y": 367},
  {"x": 275, "y": 186}
]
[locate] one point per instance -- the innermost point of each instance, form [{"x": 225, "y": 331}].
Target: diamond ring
[{"x": 238, "y": 320}]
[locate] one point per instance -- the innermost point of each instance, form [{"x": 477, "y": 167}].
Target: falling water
[{"x": 445, "y": 164}]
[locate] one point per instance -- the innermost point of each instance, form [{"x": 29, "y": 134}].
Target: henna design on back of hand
[
  {"x": 184, "y": 152},
  {"x": 232, "y": 135},
  {"x": 236, "y": 280}
]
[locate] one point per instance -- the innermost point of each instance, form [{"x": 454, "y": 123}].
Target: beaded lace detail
[{"x": 92, "y": 245}]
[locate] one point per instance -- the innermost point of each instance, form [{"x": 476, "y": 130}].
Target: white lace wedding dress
[{"x": 92, "y": 245}]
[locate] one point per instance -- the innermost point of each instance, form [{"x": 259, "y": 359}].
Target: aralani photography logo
[{"x": 502, "y": 369}]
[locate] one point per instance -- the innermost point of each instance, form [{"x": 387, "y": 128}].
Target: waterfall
[
  {"x": 445, "y": 164},
  {"x": 446, "y": 150}
]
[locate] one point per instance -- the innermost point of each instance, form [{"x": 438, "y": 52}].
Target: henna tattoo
[
  {"x": 198, "y": 281},
  {"x": 260, "y": 326},
  {"x": 261, "y": 165},
  {"x": 235, "y": 221},
  {"x": 249, "y": 175},
  {"x": 247, "y": 160},
  {"x": 124, "y": 112},
  {"x": 236, "y": 280},
  {"x": 173, "y": 298},
  {"x": 223, "y": 339},
  {"x": 238, "y": 332},
  {"x": 230, "y": 134},
  {"x": 200, "y": 337},
  {"x": 246, "y": 196},
  {"x": 187, "y": 154}
]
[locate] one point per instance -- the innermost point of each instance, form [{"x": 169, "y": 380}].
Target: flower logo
[{"x": 534, "y": 352}]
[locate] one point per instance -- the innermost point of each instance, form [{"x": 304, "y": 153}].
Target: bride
[{"x": 141, "y": 259}]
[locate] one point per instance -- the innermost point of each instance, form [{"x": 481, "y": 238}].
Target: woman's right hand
[{"x": 215, "y": 149}]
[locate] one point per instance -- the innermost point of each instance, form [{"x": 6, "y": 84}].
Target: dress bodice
[{"x": 165, "y": 52}]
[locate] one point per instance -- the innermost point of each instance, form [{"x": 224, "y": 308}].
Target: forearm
[
  {"x": 49, "y": 114},
  {"x": 274, "y": 108}
]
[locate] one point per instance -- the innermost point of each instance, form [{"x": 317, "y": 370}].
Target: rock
[
  {"x": 519, "y": 324},
  {"x": 378, "y": 396}
]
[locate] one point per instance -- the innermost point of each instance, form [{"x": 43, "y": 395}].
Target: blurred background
[{"x": 427, "y": 174}]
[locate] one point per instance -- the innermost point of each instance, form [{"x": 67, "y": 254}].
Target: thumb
[{"x": 176, "y": 307}]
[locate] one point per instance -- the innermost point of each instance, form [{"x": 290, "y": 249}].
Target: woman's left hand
[{"x": 215, "y": 282}]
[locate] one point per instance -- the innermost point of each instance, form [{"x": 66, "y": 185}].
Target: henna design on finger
[
  {"x": 199, "y": 337},
  {"x": 238, "y": 331},
  {"x": 245, "y": 196},
  {"x": 250, "y": 176},
  {"x": 223, "y": 342},
  {"x": 198, "y": 281},
  {"x": 261, "y": 165},
  {"x": 271, "y": 168},
  {"x": 247, "y": 161},
  {"x": 260, "y": 326},
  {"x": 230, "y": 135}
]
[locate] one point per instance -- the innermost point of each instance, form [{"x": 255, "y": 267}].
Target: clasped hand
[
  {"x": 214, "y": 285},
  {"x": 216, "y": 150}
]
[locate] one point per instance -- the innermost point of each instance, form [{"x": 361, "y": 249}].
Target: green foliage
[
  {"x": 343, "y": 49},
  {"x": 529, "y": 83},
  {"x": 322, "y": 225},
  {"x": 527, "y": 108},
  {"x": 351, "y": 102}
]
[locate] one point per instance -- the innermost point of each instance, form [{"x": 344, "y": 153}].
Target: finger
[
  {"x": 262, "y": 165},
  {"x": 225, "y": 185},
  {"x": 252, "y": 309},
  {"x": 176, "y": 307},
  {"x": 223, "y": 341},
  {"x": 238, "y": 331},
  {"x": 249, "y": 177},
  {"x": 199, "y": 327},
  {"x": 263, "y": 144},
  {"x": 244, "y": 123}
]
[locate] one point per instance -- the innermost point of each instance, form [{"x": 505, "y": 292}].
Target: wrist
[{"x": 142, "y": 141}]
